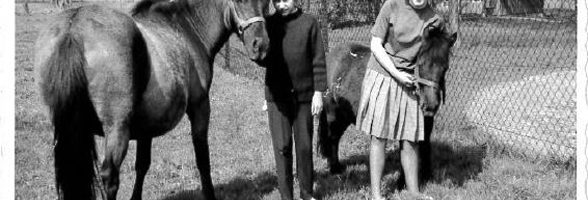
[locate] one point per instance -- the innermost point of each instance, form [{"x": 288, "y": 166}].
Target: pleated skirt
[{"x": 389, "y": 110}]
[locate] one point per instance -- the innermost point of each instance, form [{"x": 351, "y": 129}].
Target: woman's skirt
[{"x": 389, "y": 110}]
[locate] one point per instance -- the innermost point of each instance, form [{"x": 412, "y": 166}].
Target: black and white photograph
[{"x": 294, "y": 99}]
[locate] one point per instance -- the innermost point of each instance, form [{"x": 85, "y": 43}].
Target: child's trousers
[{"x": 287, "y": 120}]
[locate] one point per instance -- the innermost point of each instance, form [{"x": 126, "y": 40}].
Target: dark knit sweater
[{"x": 296, "y": 60}]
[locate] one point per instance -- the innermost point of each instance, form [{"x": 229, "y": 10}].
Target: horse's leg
[
  {"x": 199, "y": 114},
  {"x": 114, "y": 98},
  {"x": 117, "y": 142},
  {"x": 425, "y": 151},
  {"x": 142, "y": 165}
]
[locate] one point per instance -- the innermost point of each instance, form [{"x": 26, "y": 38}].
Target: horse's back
[
  {"x": 107, "y": 41},
  {"x": 106, "y": 33},
  {"x": 346, "y": 65},
  {"x": 345, "y": 57}
]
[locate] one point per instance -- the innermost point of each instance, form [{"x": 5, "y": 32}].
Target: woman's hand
[
  {"x": 405, "y": 79},
  {"x": 317, "y": 103}
]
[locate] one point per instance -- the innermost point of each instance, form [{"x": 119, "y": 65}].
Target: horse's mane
[{"x": 165, "y": 7}]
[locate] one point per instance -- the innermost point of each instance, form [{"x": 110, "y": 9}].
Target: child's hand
[{"x": 317, "y": 103}]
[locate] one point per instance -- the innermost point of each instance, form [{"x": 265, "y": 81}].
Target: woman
[
  {"x": 295, "y": 79},
  {"x": 388, "y": 109}
]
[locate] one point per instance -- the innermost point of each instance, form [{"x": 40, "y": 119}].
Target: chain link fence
[{"x": 511, "y": 81}]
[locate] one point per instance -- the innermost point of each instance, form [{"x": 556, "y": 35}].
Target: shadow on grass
[
  {"x": 239, "y": 188},
  {"x": 456, "y": 163},
  {"x": 450, "y": 163}
]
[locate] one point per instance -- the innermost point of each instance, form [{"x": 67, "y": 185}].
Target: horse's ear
[{"x": 452, "y": 38}]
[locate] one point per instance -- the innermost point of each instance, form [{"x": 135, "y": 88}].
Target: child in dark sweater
[{"x": 295, "y": 79}]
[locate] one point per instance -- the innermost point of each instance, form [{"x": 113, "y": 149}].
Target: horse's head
[
  {"x": 432, "y": 63},
  {"x": 247, "y": 19}
]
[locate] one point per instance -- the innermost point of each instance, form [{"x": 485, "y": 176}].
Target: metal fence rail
[{"x": 511, "y": 79}]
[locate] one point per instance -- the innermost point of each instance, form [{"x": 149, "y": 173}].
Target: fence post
[
  {"x": 324, "y": 23},
  {"x": 26, "y": 7},
  {"x": 228, "y": 54},
  {"x": 454, "y": 13}
]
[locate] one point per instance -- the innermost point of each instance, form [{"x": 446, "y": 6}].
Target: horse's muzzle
[
  {"x": 429, "y": 113},
  {"x": 258, "y": 49},
  {"x": 429, "y": 110}
]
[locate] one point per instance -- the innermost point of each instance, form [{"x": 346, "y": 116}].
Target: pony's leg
[
  {"x": 199, "y": 114},
  {"x": 117, "y": 142},
  {"x": 141, "y": 165},
  {"x": 425, "y": 151},
  {"x": 331, "y": 130},
  {"x": 337, "y": 130}
]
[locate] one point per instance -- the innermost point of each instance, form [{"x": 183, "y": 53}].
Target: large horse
[
  {"x": 104, "y": 72},
  {"x": 346, "y": 66}
]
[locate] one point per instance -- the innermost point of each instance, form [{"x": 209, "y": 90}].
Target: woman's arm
[{"x": 377, "y": 47}]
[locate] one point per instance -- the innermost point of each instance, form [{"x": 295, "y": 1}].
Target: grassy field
[{"x": 242, "y": 160}]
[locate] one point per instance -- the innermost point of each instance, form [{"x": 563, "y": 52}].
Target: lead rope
[
  {"x": 418, "y": 87},
  {"x": 100, "y": 183}
]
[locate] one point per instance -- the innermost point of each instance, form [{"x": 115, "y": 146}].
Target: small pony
[{"x": 346, "y": 66}]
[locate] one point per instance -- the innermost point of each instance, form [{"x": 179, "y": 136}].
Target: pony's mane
[{"x": 433, "y": 47}]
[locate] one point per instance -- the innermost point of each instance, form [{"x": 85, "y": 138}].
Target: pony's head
[
  {"x": 247, "y": 20},
  {"x": 432, "y": 64}
]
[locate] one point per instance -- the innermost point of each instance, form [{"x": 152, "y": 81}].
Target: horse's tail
[{"x": 64, "y": 90}]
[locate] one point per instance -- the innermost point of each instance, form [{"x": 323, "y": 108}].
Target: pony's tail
[
  {"x": 64, "y": 90},
  {"x": 323, "y": 134}
]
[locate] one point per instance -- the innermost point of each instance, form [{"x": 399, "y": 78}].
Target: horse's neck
[
  {"x": 203, "y": 22},
  {"x": 211, "y": 26}
]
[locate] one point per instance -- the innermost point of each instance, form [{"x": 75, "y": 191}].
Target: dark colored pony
[
  {"x": 103, "y": 72},
  {"x": 346, "y": 66}
]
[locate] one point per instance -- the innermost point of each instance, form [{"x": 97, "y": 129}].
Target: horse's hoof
[{"x": 337, "y": 169}]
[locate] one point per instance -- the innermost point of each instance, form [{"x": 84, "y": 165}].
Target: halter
[
  {"x": 418, "y": 89},
  {"x": 423, "y": 81},
  {"x": 242, "y": 24}
]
